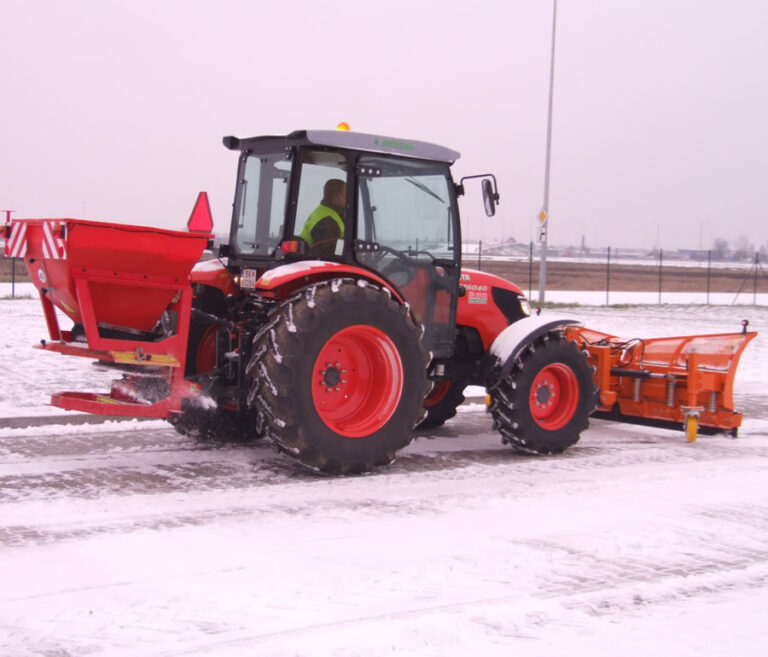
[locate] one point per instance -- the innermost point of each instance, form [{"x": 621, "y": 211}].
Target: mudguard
[
  {"x": 302, "y": 272},
  {"x": 511, "y": 341},
  {"x": 214, "y": 274},
  {"x": 282, "y": 280}
]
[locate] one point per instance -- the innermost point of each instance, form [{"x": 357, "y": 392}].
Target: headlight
[{"x": 525, "y": 306}]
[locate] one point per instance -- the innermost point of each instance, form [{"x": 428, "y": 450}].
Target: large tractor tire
[
  {"x": 544, "y": 403},
  {"x": 441, "y": 403},
  {"x": 199, "y": 420},
  {"x": 338, "y": 374}
]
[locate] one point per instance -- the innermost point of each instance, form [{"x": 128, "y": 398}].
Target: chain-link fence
[{"x": 696, "y": 275}]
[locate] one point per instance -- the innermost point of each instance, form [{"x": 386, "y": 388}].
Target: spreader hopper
[{"x": 125, "y": 288}]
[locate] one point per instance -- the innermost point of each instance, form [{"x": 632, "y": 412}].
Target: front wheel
[
  {"x": 545, "y": 402},
  {"x": 338, "y": 374}
]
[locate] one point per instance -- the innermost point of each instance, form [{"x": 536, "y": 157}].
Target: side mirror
[
  {"x": 489, "y": 197},
  {"x": 488, "y": 185}
]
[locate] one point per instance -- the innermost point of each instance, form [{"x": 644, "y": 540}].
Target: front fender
[
  {"x": 510, "y": 343},
  {"x": 214, "y": 274}
]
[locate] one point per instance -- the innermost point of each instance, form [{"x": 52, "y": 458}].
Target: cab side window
[{"x": 321, "y": 203}]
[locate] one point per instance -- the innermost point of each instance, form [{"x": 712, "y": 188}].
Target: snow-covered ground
[{"x": 126, "y": 539}]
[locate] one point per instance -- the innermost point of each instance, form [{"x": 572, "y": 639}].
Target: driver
[{"x": 326, "y": 224}]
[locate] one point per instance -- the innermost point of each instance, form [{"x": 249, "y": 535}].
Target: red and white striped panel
[
  {"x": 16, "y": 242},
  {"x": 53, "y": 243}
]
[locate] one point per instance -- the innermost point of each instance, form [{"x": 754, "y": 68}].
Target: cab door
[{"x": 407, "y": 231}]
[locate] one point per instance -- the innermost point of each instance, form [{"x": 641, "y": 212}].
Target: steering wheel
[{"x": 400, "y": 270}]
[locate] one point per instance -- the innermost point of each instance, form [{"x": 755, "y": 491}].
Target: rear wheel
[
  {"x": 545, "y": 402},
  {"x": 441, "y": 403},
  {"x": 338, "y": 374}
]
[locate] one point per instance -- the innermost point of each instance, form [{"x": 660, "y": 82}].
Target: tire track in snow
[
  {"x": 191, "y": 468},
  {"x": 638, "y": 585},
  {"x": 568, "y": 580}
]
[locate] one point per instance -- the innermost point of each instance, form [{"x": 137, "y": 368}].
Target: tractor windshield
[
  {"x": 407, "y": 206},
  {"x": 260, "y": 203}
]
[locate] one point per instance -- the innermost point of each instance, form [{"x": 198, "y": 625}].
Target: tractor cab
[{"x": 385, "y": 207}]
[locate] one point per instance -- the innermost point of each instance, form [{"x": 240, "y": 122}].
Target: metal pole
[
  {"x": 608, "y": 277},
  {"x": 709, "y": 271},
  {"x": 545, "y": 208}
]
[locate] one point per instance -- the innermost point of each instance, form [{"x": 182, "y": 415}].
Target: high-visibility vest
[{"x": 321, "y": 212}]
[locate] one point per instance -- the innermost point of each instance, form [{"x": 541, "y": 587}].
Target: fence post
[
  {"x": 479, "y": 255},
  {"x": 608, "y": 277},
  {"x": 6, "y": 234},
  {"x": 754, "y": 282},
  {"x": 661, "y": 267},
  {"x": 709, "y": 271},
  {"x": 530, "y": 269}
]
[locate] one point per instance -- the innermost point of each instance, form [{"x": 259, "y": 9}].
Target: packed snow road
[{"x": 127, "y": 539}]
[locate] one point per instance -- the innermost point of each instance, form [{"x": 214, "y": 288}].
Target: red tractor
[{"x": 338, "y": 318}]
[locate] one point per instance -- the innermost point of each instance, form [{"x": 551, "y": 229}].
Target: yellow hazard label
[
  {"x": 107, "y": 400},
  {"x": 131, "y": 357}
]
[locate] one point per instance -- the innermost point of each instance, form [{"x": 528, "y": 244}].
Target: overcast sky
[{"x": 114, "y": 110}]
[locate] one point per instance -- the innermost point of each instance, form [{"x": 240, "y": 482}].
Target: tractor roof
[{"x": 357, "y": 141}]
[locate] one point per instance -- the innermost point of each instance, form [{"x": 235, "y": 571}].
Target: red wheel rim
[
  {"x": 205, "y": 359},
  {"x": 437, "y": 394},
  {"x": 554, "y": 396},
  {"x": 357, "y": 381}
]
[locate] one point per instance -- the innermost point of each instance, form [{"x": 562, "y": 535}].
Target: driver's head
[{"x": 335, "y": 194}]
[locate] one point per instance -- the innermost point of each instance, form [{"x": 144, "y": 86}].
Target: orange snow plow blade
[
  {"x": 676, "y": 382},
  {"x": 127, "y": 290}
]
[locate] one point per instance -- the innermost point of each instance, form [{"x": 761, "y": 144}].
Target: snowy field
[{"x": 126, "y": 539}]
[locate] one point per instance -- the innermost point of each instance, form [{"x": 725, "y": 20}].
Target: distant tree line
[{"x": 741, "y": 249}]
